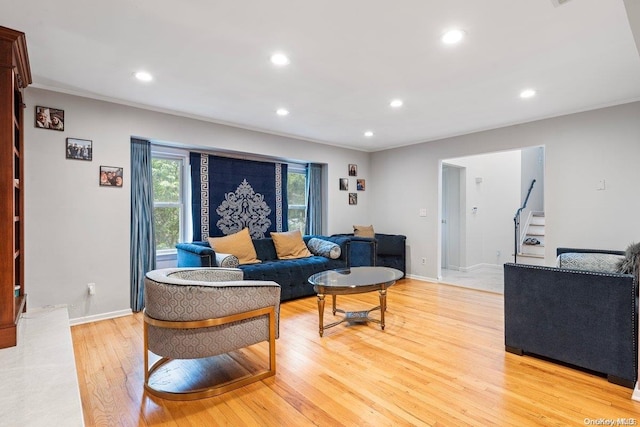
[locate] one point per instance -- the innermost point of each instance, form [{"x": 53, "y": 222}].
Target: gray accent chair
[{"x": 194, "y": 313}]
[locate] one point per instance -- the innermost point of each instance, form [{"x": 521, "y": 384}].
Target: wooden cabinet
[{"x": 15, "y": 75}]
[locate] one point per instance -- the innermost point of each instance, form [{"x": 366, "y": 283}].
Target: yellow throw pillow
[
  {"x": 238, "y": 244},
  {"x": 289, "y": 245},
  {"x": 363, "y": 231}
]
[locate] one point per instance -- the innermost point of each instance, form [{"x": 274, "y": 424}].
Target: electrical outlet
[
  {"x": 92, "y": 288},
  {"x": 423, "y": 261}
]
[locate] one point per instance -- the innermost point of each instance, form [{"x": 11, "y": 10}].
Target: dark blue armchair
[{"x": 588, "y": 319}]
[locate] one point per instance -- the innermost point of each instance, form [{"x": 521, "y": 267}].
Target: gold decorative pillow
[
  {"x": 363, "y": 231},
  {"x": 238, "y": 244},
  {"x": 289, "y": 245}
]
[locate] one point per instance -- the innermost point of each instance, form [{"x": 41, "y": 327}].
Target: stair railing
[{"x": 516, "y": 224}]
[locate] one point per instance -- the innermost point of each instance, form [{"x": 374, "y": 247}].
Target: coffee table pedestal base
[{"x": 352, "y": 316}]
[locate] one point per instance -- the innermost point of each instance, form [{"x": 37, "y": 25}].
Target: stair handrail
[{"x": 516, "y": 224}]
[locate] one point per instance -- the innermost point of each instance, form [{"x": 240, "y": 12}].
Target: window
[
  {"x": 169, "y": 204},
  {"x": 297, "y": 197}
]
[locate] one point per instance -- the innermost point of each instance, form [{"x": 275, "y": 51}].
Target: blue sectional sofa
[
  {"x": 290, "y": 274},
  {"x": 580, "y": 315}
]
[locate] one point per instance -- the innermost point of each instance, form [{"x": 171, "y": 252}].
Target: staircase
[{"x": 531, "y": 253}]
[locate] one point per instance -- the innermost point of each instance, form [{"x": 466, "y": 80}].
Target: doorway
[{"x": 479, "y": 197}]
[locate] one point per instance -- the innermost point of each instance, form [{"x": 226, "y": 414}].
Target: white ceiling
[{"x": 349, "y": 58}]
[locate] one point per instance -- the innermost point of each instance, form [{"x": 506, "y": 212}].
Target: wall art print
[
  {"x": 360, "y": 185},
  {"x": 344, "y": 184},
  {"x": 230, "y": 194},
  {"x": 244, "y": 208},
  {"x": 79, "y": 149},
  {"x": 353, "y": 170},
  {"x": 111, "y": 176},
  {"x": 353, "y": 198},
  {"x": 49, "y": 118}
]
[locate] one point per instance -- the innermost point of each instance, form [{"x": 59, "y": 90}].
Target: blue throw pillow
[{"x": 324, "y": 248}]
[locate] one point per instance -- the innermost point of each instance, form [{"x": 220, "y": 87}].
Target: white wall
[
  {"x": 533, "y": 168},
  {"x": 77, "y": 232},
  {"x": 580, "y": 149},
  {"x": 633, "y": 13}
]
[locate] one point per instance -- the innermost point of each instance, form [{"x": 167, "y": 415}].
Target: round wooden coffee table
[{"x": 355, "y": 280}]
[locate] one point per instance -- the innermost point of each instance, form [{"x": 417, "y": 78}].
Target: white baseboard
[
  {"x": 101, "y": 316},
  {"x": 636, "y": 393},
  {"x": 422, "y": 278},
  {"x": 479, "y": 266}
]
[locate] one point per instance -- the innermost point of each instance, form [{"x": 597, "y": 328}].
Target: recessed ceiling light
[
  {"x": 282, "y": 112},
  {"x": 368, "y": 134},
  {"x": 527, "y": 93},
  {"x": 143, "y": 76},
  {"x": 452, "y": 36},
  {"x": 279, "y": 59},
  {"x": 396, "y": 103}
]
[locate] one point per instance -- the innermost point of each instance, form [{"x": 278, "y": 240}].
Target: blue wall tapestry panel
[{"x": 231, "y": 194}]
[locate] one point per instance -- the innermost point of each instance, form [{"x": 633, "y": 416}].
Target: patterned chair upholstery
[{"x": 196, "y": 313}]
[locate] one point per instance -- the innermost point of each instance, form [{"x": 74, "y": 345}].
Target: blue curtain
[
  {"x": 143, "y": 252},
  {"x": 314, "y": 199},
  {"x": 230, "y": 194}
]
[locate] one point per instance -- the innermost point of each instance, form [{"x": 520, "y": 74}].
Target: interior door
[
  {"x": 445, "y": 229},
  {"x": 451, "y": 179}
]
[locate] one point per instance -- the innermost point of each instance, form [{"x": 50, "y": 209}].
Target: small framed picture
[
  {"x": 344, "y": 184},
  {"x": 360, "y": 185},
  {"x": 111, "y": 176},
  {"x": 49, "y": 118},
  {"x": 353, "y": 170},
  {"x": 79, "y": 149},
  {"x": 353, "y": 198}
]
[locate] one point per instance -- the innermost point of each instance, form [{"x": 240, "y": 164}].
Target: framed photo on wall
[
  {"x": 111, "y": 176},
  {"x": 49, "y": 118},
  {"x": 353, "y": 170},
  {"x": 353, "y": 198},
  {"x": 79, "y": 149},
  {"x": 360, "y": 184},
  {"x": 344, "y": 184}
]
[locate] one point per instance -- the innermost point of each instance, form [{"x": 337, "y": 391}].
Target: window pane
[
  {"x": 297, "y": 220},
  {"x": 167, "y": 220},
  {"x": 296, "y": 183},
  {"x": 296, "y": 186},
  {"x": 166, "y": 180}
]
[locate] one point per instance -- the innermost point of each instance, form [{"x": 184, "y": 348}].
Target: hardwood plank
[{"x": 439, "y": 361}]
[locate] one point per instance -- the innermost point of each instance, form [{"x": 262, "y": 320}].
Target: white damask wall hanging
[{"x": 231, "y": 194}]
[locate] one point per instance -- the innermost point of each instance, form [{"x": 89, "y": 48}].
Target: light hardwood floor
[{"x": 440, "y": 361}]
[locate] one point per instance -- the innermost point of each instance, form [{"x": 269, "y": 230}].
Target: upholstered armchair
[
  {"x": 194, "y": 313},
  {"x": 582, "y": 312}
]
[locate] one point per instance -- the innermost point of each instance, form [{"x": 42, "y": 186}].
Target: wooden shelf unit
[{"x": 15, "y": 76}]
